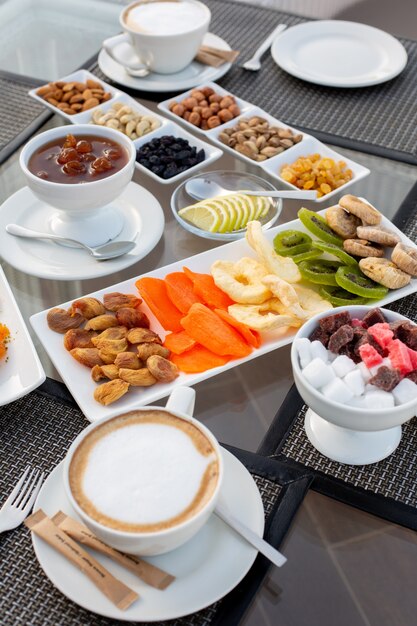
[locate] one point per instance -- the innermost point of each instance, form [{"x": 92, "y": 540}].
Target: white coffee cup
[
  {"x": 180, "y": 404},
  {"x": 164, "y": 53}
]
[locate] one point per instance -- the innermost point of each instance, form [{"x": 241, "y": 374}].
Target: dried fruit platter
[
  {"x": 20, "y": 368},
  {"x": 77, "y": 377}
]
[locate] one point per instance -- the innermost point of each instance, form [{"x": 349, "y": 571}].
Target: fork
[
  {"x": 18, "y": 505},
  {"x": 254, "y": 63}
]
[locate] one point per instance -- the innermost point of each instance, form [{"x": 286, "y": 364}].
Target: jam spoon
[{"x": 110, "y": 250}]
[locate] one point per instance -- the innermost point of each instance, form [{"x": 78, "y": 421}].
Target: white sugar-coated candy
[
  {"x": 379, "y": 399},
  {"x": 355, "y": 382},
  {"x": 405, "y": 391},
  {"x": 318, "y": 351},
  {"x": 369, "y": 387},
  {"x": 342, "y": 365},
  {"x": 337, "y": 391},
  {"x": 318, "y": 373},
  {"x": 366, "y": 374},
  {"x": 331, "y": 356},
  {"x": 302, "y": 346},
  {"x": 358, "y": 402}
]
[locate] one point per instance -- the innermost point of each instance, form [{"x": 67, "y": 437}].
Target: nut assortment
[
  {"x": 205, "y": 108},
  {"x": 129, "y": 121},
  {"x": 318, "y": 173},
  {"x": 74, "y": 97},
  {"x": 113, "y": 339},
  {"x": 257, "y": 139}
]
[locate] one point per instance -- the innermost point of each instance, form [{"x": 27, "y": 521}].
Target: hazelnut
[
  {"x": 213, "y": 121},
  {"x": 195, "y": 118},
  {"x": 215, "y": 107},
  {"x": 226, "y": 102},
  {"x": 203, "y": 103},
  {"x": 206, "y": 113},
  {"x": 225, "y": 115},
  {"x": 207, "y": 91},
  {"x": 198, "y": 109},
  {"x": 234, "y": 110},
  {"x": 178, "y": 109},
  {"x": 189, "y": 103},
  {"x": 204, "y": 125},
  {"x": 186, "y": 115},
  {"x": 215, "y": 98},
  {"x": 197, "y": 94}
]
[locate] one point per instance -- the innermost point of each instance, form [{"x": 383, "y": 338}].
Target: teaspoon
[
  {"x": 203, "y": 189},
  {"x": 107, "y": 251}
]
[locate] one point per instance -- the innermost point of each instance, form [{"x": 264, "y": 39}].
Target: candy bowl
[
  {"x": 350, "y": 430},
  {"x": 85, "y": 210}
]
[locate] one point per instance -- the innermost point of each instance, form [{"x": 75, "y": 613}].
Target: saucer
[
  {"x": 143, "y": 222},
  {"x": 206, "y": 568},
  {"x": 193, "y": 75}
]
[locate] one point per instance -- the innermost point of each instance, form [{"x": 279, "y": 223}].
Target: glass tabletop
[{"x": 345, "y": 567}]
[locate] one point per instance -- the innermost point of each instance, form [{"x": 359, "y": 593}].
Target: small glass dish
[{"x": 235, "y": 181}]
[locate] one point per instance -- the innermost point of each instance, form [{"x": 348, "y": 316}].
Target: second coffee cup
[
  {"x": 165, "y": 35},
  {"x": 146, "y": 481}
]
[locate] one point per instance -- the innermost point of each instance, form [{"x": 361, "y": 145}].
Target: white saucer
[
  {"x": 206, "y": 568},
  {"x": 143, "y": 222},
  {"x": 337, "y": 53},
  {"x": 193, "y": 75}
]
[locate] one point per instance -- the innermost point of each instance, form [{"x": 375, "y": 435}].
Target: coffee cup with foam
[
  {"x": 145, "y": 481},
  {"x": 165, "y": 34}
]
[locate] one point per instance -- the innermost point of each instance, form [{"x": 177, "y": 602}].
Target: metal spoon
[
  {"x": 107, "y": 251},
  {"x": 203, "y": 189},
  {"x": 254, "y": 64}
]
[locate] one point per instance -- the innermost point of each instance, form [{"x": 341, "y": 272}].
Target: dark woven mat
[
  {"x": 37, "y": 430},
  {"x": 20, "y": 115},
  {"x": 387, "y": 488},
  {"x": 380, "y": 119}
]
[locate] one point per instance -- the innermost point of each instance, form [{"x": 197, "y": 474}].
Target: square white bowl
[
  {"x": 78, "y": 76},
  {"x": 164, "y": 106},
  {"x": 170, "y": 128},
  {"x": 213, "y": 134},
  {"x": 86, "y": 116},
  {"x": 311, "y": 145}
]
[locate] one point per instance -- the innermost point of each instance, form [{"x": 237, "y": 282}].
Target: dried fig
[
  {"x": 137, "y": 378},
  {"x": 132, "y": 318},
  {"x": 145, "y": 350},
  {"x": 107, "y": 357},
  {"x": 61, "y": 320},
  {"x": 115, "y": 301},
  {"x": 112, "y": 340},
  {"x": 78, "y": 338},
  {"x": 162, "y": 369},
  {"x": 143, "y": 335},
  {"x": 89, "y": 307},
  {"x": 87, "y": 356},
  {"x": 111, "y": 391},
  {"x": 101, "y": 322},
  {"x": 128, "y": 360}
]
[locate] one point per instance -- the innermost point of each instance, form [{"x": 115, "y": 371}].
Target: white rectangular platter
[
  {"x": 21, "y": 371},
  {"x": 77, "y": 376}
]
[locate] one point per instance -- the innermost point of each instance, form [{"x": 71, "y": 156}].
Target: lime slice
[
  {"x": 243, "y": 210},
  {"x": 203, "y": 216},
  {"x": 226, "y": 205},
  {"x": 253, "y": 203},
  {"x": 266, "y": 206},
  {"x": 224, "y": 213}
]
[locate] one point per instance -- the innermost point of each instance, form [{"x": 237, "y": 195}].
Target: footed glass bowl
[{"x": 235, "y": 181}]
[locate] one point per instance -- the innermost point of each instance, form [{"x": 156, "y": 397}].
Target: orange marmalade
[{"x": 4, "y": 338}]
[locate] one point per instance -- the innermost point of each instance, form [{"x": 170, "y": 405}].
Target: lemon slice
[
  {"x": 204, "y": 216},
  {"x": 244, "y": 209},
  {"x": 266, "y": 202},
  {"x": 253, "y": 208},
  {"x": 228, "y": 210}
]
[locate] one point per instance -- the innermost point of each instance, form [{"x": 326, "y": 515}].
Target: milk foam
[
  {"x": 144, "y": 473},
  {"x": 164, "y": 18}
]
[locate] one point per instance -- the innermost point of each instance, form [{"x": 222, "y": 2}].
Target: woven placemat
[
  {"x": 387, "y": 488},
  {"x": 380, "y": 120},
  {"x": 37, "y": 430},
  {"x": 20, "y": 115}
]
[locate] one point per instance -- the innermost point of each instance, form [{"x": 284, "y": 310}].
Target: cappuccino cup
[
  {"x": 165, "y": 35},
  {"x": 145, "y": 481}
]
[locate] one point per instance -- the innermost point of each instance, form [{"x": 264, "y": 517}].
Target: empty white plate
[{"x": 339, "y": 54}]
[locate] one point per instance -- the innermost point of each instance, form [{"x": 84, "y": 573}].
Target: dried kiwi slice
[
  {"x": 319, "y": 227},
  {"x": 340, "y": 297},
  {"x": 352, "y": 279},
  {"x": 330, "y": 248},
  {"x": 290, "y": 242},
  {"x": 320, "y": 271},
  {"x": 306, "y": 256}
]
